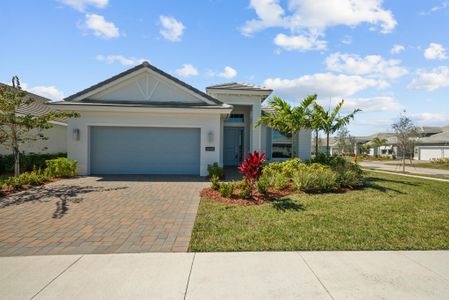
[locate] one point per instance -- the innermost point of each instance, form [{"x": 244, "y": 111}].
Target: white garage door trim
[{"x": 193, "y": 148}]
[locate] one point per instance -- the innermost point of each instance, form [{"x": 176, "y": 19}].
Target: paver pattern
[{"x": 101, "y": 215}]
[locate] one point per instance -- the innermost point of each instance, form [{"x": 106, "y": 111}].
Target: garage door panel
[
  {"x": 430, "y": 153},
  {"x": 140, "y": 150}
]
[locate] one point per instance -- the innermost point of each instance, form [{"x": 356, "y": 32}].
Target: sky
[{"x": 384, "y": 57}]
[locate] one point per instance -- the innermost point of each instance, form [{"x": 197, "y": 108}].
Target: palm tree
[
  {"x": 331, "y": 121},
  {"x": 378, "y": 142},
  {"x": 317, "y": 123},
  {"x": 286, "y": 119}
]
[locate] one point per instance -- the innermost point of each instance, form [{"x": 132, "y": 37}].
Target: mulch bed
[
  {"x": 256, "y": 197},
  {"x": 12, "y": 190}
]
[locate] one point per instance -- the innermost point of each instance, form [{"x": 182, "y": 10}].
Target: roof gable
[{"x": 144, "y": 84}]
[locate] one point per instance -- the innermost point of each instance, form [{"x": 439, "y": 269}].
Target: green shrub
[
  {"x": 263, "y": 184},
  {"x": 349, "y": 174},
  {"x": 315, "y": 178},
  {"x": 60, "y": 167},
  {"x": 280, "y": 181},
  {"x": 28, "y": 162},
  {"x": 226, "y": 189},
  {"x": 26, "y": 178},
  {"x": 214, "y": 182},
  {"x": 245, "y": 191},
  {"x": 290, "y": 166},
  {"x": 215, "y": 170}
]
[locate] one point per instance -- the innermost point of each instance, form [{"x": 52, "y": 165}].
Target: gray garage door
[{"x": 144, "y": 150}]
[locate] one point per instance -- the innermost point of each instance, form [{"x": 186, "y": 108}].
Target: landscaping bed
[{"x": 391, "y": 213}]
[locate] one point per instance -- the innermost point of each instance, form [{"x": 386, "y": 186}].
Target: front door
[{"x": 232, "y": 146}]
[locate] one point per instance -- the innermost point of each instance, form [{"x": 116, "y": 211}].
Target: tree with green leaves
[
  {"x": 407, "y": 136},
  {"x": 317, "y": 124},
  {"x": 286, "y": 119},
  {"x": 18, "y": 128},
  {"x": 378, "y": 142},
  {"x": 330, "y": 121}
]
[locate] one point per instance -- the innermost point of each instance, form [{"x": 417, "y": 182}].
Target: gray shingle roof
[
  {"x": 143, "y": 65},
  {"x": 239, "y": 86},
  {"x": 38, "y": 108}
]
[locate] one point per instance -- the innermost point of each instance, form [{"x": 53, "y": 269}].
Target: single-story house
[
  {"x": 434, "y": 146},
  {"x": 57, "y": 135},
  {"x": 145, "y": 121}
]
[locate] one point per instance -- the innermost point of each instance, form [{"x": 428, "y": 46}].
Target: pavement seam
[
  {"x": 188, "y": 278},
  {"x": 422, "y": 265},
  {"x": 57, "y": 276},
  {"x": 316, "y": 276}
]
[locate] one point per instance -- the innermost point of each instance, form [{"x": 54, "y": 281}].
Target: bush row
[
  {"x": 28, "y": 162},
  {"x": 56, "y": 168}
]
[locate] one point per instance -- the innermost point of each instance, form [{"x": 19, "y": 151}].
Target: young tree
[
  {"x": 343, "y": 138},
  {"x": 286, "y": 119},
  {"x": 317, "y": 124},
  {"x": 378, "y": 142},
  {"x": 331, "y": 121},
  {"x": 407, "y": 135},
  {"x": 18, "y": 128}
]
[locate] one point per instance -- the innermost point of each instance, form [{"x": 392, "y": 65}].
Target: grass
[{"x": 392, "y": 213}]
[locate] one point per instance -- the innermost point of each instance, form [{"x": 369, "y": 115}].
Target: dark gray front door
[
  {"x": 144, "y": 150},
  {"x": 232, "y": 146}
]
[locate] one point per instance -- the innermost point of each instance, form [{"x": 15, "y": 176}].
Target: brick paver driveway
[{"x": 101, "y": 215}]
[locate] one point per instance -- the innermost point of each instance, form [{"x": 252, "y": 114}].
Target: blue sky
[{"x": 380, "y": 56}]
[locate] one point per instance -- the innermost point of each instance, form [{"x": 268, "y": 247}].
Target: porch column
[{"x": 256, "y": 132}]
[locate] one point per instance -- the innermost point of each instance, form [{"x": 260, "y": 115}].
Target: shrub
[
  {"x": 60, "y": 167},
  {"x": 290, "y": 166},
  {"x": 280, "y": 181},
  {"x": 226, "y": 189},
  {"x": 348, "y": 174},
  {"x": 251, "y": 167},
  {"x": 214, "y": 184},
  {"x": 215, "y": 170},
  {"x": 245, "y": 191},
  {"x": 440, "y": 161},
  {"x": 26, "y": 178},
  {"x": 28, "y": 162},
  {"x": 315, "y": 178},
  {"x": 263, "y": 184}
]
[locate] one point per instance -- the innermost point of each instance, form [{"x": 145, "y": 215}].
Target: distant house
[
  {"x": 434, "y": 146},
  {"x": 57, "y": 136}
]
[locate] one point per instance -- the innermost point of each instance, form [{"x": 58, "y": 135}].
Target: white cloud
[
  {"x": 430, "y": 81},
  {"x": 81, "y": 5},
  {"x": 187, "y": 70},
  {"x": 312, "y": 15},
  {"x": 444, "y": 4},
  {"x": 427, "y": 118},
  {"x": 397, "y": 49},
  {"x": 172, "y": 29},
  {"x": 435, "y": 51},
  {"x": 101, "y": 27},
  {"x": 372, "y": 104},
  {"x": 323, "y": 84},
  {"x": 347, "y": 40},
  {"x": 299, "y": 42},
  {"x": 50, "y": 92},
  {"x": 124, "y": 61},
  {"x": 372, "y": 65},
  {"x": 227, "y": 73}
]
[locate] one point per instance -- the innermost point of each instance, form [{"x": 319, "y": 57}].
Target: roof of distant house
[{"x": 239, "y": 86}]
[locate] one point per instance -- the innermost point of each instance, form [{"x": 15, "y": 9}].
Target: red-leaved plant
[{"x": 251, "y": 167}]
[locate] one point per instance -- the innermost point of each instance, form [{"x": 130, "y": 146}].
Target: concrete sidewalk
[
  {"x": 249, "y": 275},
  {"x": 379, "y": 165}
]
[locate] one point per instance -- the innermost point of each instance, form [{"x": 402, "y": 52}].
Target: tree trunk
[
  {"x": 316, "y": 142},
  {"x": 15, "y": 149},
  {"x": 293, "y": 145},
  {"x": 327, "y": 144},
  {"x": 403, "y": 163}
]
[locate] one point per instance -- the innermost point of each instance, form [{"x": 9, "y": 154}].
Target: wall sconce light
[
  {"x": 76, "y": 134},
  {"x": 210, "y": 136}
]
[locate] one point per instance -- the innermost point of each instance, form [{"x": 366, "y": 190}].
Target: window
[
  {"x": 235, "y": 118},
  {"x": 281, "y": 145}
]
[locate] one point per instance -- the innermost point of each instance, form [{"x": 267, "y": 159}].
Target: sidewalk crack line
[
  {"x": 57, "y": 276},
  {"x": 316, "y": 276},
  {"x": 188, "y": 278}
]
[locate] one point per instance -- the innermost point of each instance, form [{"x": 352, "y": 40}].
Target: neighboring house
[
  {"x": 145, "y": 121},
  {"x": 57, "y": 135},
  {"x": 434, "y": 146}
]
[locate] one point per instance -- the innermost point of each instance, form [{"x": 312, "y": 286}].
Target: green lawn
[{"x": 393, "y": 213}]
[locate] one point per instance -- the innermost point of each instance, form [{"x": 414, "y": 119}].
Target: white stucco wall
[
  {"x": 305, "y": 144},
  {"x": 56, "y": 143},
  {"x": 79, "y": 150}
]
